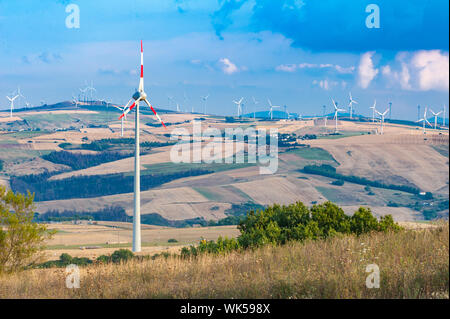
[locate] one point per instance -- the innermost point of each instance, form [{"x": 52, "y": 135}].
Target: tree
[{"x": 21, "y": 239}]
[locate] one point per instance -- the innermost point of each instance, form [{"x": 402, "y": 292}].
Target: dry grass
[{"x": 413, "y": 264}]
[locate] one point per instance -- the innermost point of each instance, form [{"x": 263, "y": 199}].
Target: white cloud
[
  {"x": 294, "y": 67},
  {"x": 228, "y": 67},
  {"x": 287, "y": 67},
  {"x": 326, "y": 84},
  {"x": 432, "y": 67},
  {"x": 366, "y": 70},
  {"x": 420, "y": 71}
]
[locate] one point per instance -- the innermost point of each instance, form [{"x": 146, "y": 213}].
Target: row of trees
[
  {"x": 91, "y": 186},
  {"x": 277, "y": 225},
  {"x": 330, "y": 171},
  {"x": 81, "y": 161}
]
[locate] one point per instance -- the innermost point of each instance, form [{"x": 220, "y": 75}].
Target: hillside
[{"x": 412, "y": 263}]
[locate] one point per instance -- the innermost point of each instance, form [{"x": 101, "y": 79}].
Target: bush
[
  {"x": 172, "y": 240},
  {"x": 277, "y": 225},
  {"x": 338, "y": 182},
  {"x": 121, "y": 255},
  {"x": 21, "y": 239}
]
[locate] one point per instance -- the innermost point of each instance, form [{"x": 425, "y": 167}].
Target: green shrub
[
  {"x": 338, "y": 182},
  {"x": 172, "y": 240},
  {"x": 121, "y": 255}
]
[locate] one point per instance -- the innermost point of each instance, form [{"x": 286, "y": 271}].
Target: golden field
[{"x": 412, "y": 263}]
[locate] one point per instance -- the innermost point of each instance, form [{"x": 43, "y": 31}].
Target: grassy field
[
  {"x": 412, "y": 264},
  {"x": 313, "y": 153},
  {"x": 170, "y": 168}
]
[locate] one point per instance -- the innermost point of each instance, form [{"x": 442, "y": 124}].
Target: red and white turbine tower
[{"x": 138, "y": 96}]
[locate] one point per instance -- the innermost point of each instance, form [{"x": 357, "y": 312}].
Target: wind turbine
[
  {"x": 11, "y": 99},
  {"x": 271, "y": 108},
  {"x": 424, "y": 119},
  {"x": 373, "y": 107},
  {"x": 138, "y": 96},
  {"x": 239, "y": 108},
  {"x": 382, "y": 115},
  {"x": 204, "y": 99},
  {"x": 75, "y": 101},
  {"x": 324, "y": 115},
  {"x": 390, "y": 110},
  {"x": 350, "y": 104},
  {"x": 336, "y": 111},
  {"x": 122, "y": 109},
  {"x": 435, "y": 117},
  {"x": 443, "y": 117},
  {"x": 255, "y": 102}
]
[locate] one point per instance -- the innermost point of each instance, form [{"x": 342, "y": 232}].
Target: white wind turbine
[
  {"x": 255, "y": 102},
  {"x": 11, "y": 100},
  {"x": 239, "y": 107},
  {"x": 443, "y": 117},
  {"x": 204, "y": 99},
  {"x": 435, "y": 117},
  {"x": 122, "y": 109},
  {"x": 382, "y": 115},
  {"x": 336, "y": 111},
  {"x": 271, "y": 108},
  {"x": 373, "y": 107},
  {"x": 138, "y": 96},
  {"x": 424, "y": 119},
  {"x": 75, "y": 101},
  {"x": 350, "y": 104}
]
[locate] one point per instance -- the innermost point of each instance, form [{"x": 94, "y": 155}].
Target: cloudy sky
[{"x": 299, "y": 53}]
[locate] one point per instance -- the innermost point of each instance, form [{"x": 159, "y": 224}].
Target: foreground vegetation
[{"x": 413, "y": 264}]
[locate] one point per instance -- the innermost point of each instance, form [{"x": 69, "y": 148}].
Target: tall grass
[{"x": 413, "y": 264}]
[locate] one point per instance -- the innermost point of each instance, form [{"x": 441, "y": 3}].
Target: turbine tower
[
  {"x": 271, "y": 108},
  {"x": 373, "y": 107},
  {"x": 138, "y": 96},
  {"x": 239, "y": 107},
  {"x": 382, "y": 115},
  {"x": 325, "y": 118},
  {"x": 122, "y": 109},
  {"x": 350, "y": 104},
  {"x": 336, "y": 111},
  {"x": 443, "y": 117},
  {"x": 204, "y": 99},
  {"x": 11, "y": 100},
  {"x": 435, "y": 117},
  {"x": 424, "y": 119}
]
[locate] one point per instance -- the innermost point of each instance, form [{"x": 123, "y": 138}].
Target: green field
[
  {"x": 341, "y": 135},
  {"x": 212, "y": 196},
  {"x": 313, "y": 153},
  {"x": 170, "y": 168}
]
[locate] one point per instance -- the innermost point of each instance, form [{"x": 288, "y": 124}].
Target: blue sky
[{"x": 298, "y": 53}]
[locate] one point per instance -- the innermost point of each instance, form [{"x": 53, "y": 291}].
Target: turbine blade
[
  {"x": 156, "y": 114},
  {"x": 127, "y": 110}
]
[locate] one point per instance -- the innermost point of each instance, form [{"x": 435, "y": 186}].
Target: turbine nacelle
[{"x": 139, "y": 95}]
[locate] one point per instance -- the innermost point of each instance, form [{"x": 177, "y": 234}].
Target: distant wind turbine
[
  {"x": 373, "y": 107},
  {"x": 11, "y": 100},
  {"x": 424, "y": 120},
  {"x": 435, "y": 117},
  {"x": 204, "y": 99},
  {"x": 255, "y": 102},
  {"x": 336, "y": 111},
  {"x": 382, "y": 115},
  {"x": 239, "y": 107},
  {"x": 350, "y": 104},
  {"x": 271, "y": 108}
]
